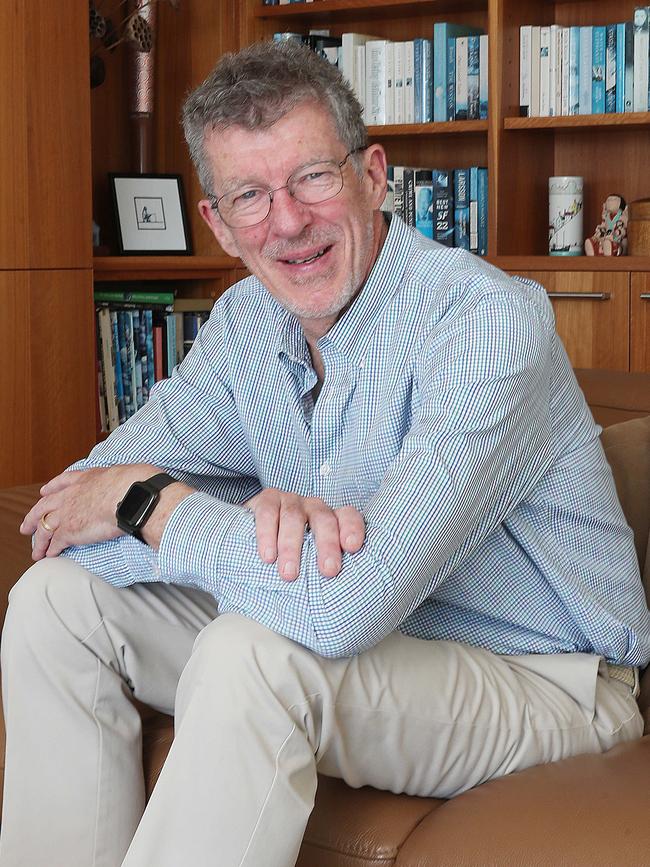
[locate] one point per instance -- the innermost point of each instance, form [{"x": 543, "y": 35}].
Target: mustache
[{"x": 311, "y": 238}]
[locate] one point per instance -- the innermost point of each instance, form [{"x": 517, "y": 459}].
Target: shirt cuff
[{"x": 195, "y": 535}]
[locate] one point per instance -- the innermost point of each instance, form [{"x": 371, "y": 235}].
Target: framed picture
[{"x": 150, "y": 214}]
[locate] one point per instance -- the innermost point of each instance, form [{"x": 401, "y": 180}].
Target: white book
[
  {"x": 461, "y": 78},
  {"x": 349, "y": 44},
  {"x": 585, "y": 70},
  {"x": 574, "y": 70},
  {"x": 398, "y": 84},
  {"x": 376, "y": 82},
  {"x": 553, "y": 63},
  {"x": 389, "y": 81},
  {"x": 544, "y": 71},
  {"x": 108, "y": 366},
  {"x": 566, "y": 69},
  {"x": 409, "y": 90},
  {"x": 641, "y": 42},
  {"x": 525, "y": 66},
  {"x": 360, "y": 77},
  {"x": 534, "y": 71}
]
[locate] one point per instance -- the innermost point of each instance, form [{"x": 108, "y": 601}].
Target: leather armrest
[{"x": 15, "y": 550}]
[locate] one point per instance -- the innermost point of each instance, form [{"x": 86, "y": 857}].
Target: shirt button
[{"x": 325, "y": 469}]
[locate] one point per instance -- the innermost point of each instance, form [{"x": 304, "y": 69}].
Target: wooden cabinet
[
  {"x": 640, "y": 322},
  {"x": 591, "y": 314}
]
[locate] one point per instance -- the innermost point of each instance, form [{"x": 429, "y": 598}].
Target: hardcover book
[
  {"x": 599, "y": 53},
  {"x": 443, "y": 194},
  {"x": 442, "y": 32},
  {"x": 424, "y": 202},
  {"x": 461, "y": 208}
]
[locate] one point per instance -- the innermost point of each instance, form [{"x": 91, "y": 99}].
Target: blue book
[
  {"x": 443, "y": 195},
  {"x": 586, "y": 68},
  {"x": 451, "y": 78},
  {"x": 442, "y": 31},
  {"x": 628, "y": 98},
  {"x": 148, "y": 316},
  {"x": 574, "y": 70},
  {"x": 142, "y": 354},
  {"x": 119, "y": 382},
  {"x": 423, "y": 89},
  {"x": 139, "y": 402},
  {"x": 620, "y": 68},
  {"x": 123, "y": 337},
  {"x": 424, "y": 202},
  {"x": 473, "y": 67},
  {"x": 610, "y": 68},
  {"x": 482, "y": 211},
  {"x": 461, "y": 208},
  {"x": 473, "y": 209},
  {"x": 170, "y": 347},
  {"x": 599, "y": 55},
  {"x": 483, "y": 77},
  {"x": 461, "y": 78}
]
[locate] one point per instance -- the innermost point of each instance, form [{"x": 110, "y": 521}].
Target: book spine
[
  {"x": 451, "y": 78},
  {"x": 574, "y": 70},
  {"x": 360, "y": 75},
  {"x": 620, "y": 68},
  {"x": 398, "y": 91},
  {"x": 388, "y": 205},
  {"x": 473, "y": 69},
  {"x": 585, "y": 69},
  {"x": 409, "y": 196},
  {"x": 409, "y": 74},
  {"x": 525, "y": 39},
  {"x": 144, "y": 359},
  {"x": 170, "y": 347},
  {"x": 118, "y": 297},
  {"x": 461, "y": 208},
  {"x": 443, "y": 194},
  {"x": 427, "y": 84},
  {"x": 461, "y": 78},
  {"x": 544, "y": 71},
  {"x": 482, "y": 211},
  {"x": 158, "y": 352},
  {"x": 534, "y": 70},
  {"x": 424, "y": 202},
  {"x": 473, "y": 209},
  {"x": 124, "y": 363},
  {"x": 553, "y": 63},
  {"x": 137, "y": 363},
  {"x": 440, "y": 71},
  {"x": 376, "y": 82},
  {"x": 565, "y": 38},
  {"x": 610, "y": 68},
  {"x": 641, "y": 58},
  {"x": 119, "y": 382},
  {"x": 130, "y": 349},
  {"x": 629, "y": 66},
  {"x": 417, "y": 79},
  {"x": 389, "y": 77},
  {"x": 598, "y": 70},
  {"x": 483, "y": 77},
  {"x": 398, "y": 194},
  {"x": 105, "y": 329}
]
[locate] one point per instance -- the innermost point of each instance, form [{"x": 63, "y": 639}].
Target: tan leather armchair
[{"x": 587, "y": 811}]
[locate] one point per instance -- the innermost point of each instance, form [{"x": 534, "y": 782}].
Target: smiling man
[{"x": 365, "y": 529}]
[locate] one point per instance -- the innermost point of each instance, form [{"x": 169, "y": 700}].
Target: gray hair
[{"x": 257, "y": 86}]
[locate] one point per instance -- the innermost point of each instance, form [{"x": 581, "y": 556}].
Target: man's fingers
[
  {"x": 352, "y": 529},
  {"x": 266, "y": 507},
  {"x": 325, "y": 528},
  {"x": 291, "y": 533},
  {"x": 58, "y": 483}
]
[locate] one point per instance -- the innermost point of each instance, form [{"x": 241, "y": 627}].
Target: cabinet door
[
  {"x": 591, "y": 314},
  {"x": 640, "y": 324}
]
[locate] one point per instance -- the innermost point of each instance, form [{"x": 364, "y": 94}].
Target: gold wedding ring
[{"x": 45, "y": 525}]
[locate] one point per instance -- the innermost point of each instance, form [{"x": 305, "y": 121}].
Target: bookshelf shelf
[
  {"x": 342, "y": 9},
  {"x": 631, "y": 120},
  {"x": 456, "y": 127},
  {"x": 125, "y": 268},
  {"x": 620, "y": 264}
]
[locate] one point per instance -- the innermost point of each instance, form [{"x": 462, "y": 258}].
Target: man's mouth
[{"x": 307, "y": 259}]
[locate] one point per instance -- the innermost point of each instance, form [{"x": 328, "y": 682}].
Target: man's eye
[{"x": 246, "y": 197}]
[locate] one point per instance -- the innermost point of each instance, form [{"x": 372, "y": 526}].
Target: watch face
[{"x": 134, "y": 507}]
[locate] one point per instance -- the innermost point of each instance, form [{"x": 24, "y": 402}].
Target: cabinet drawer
[
  {"x": 592, "y": 315},
  {"x": 640, "y": 322}
]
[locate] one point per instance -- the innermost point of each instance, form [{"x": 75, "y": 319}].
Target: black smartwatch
[{"x": 140, "y": 500}]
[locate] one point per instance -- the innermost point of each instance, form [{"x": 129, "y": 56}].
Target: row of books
[
  {"x": 449, "y": 206},
  {"x": 416, "y": 81},
  {"x": 585, "y": 70},
  {"x": 141, "y": 336}
]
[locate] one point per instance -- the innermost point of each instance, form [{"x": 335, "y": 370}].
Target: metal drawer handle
[
  {"x": 587, "y": 296},
  {"x": 645, "y": 296}
]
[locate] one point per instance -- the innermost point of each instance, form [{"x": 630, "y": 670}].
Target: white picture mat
[{"x": 138, "y": 237}]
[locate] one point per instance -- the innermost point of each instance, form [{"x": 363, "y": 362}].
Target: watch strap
[{"x": 159, "y": 481}]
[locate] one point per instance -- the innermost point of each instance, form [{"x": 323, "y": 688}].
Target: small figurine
[{"x": 610, "y": 235}]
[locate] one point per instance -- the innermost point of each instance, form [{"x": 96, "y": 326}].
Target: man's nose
[{"x": 289, "y": 216}]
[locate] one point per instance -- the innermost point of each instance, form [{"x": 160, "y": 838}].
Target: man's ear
[
  {"x": 218, "y": 228},
  {"x": 376, "y": 172}
]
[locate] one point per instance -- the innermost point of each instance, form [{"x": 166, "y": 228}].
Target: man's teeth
[{"x": 308, "y": 259}]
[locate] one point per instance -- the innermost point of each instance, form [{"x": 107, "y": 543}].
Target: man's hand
[
  {"x": 280, "y": 521},
  {"x": 79, "y": 507}
]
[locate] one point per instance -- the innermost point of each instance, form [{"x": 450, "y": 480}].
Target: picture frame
[{"x": 150, "y": 214}]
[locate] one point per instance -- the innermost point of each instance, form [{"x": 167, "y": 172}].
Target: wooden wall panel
[
  {"x": 640, "y": 322},
  {"x": 47, "y": 378},
  {"x": 45, "y": 216}
]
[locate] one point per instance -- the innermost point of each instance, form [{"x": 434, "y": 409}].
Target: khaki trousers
[{"x": 255, "y": 714}]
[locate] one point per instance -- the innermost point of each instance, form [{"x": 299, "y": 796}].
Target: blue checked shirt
[{"x": 449, "y": 415}]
